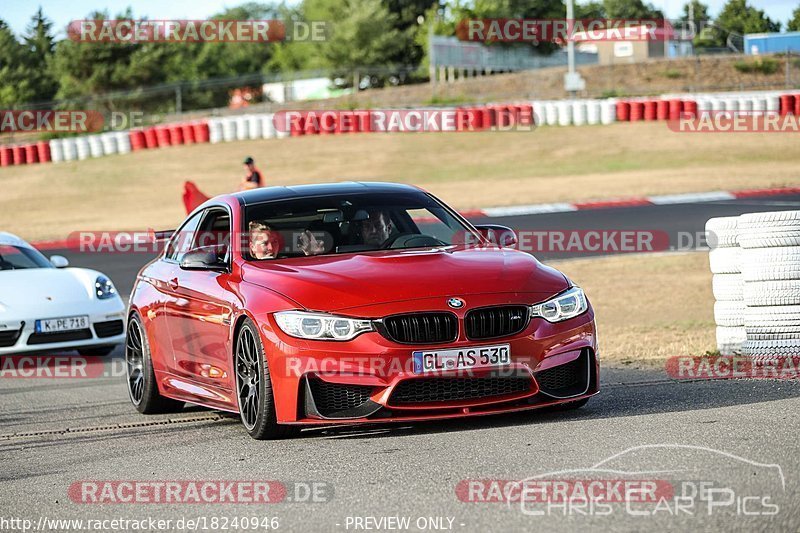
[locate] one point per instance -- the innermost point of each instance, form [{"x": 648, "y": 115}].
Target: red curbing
[{"x": 754, "y": 193}]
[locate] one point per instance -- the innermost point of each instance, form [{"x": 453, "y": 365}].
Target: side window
[
  {"x": 181, "y": 242},
  {"x": 214, "y": 230}
]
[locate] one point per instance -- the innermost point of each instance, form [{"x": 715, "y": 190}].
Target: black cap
[{"x": 248, "y": 161}]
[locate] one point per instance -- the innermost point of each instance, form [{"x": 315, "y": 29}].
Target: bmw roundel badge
[{"x": 455, "y": 303}]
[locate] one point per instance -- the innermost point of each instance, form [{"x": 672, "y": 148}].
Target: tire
[
  {"x": 771, "y": 264},
  {"x": 727, "y": 287},
  {"x": 778, "y": 317},
  {"x": 724, "y": 260},
  {"x": 763, "y": 293},
  {"x": 721, "y": 232},
  {"x": 141, "y": 380},
  {"x": 254, "y": 387},
  {"x": 775, "y": 347},
  {"x": 771, "y": 272},
  {"x": 773, "y": 336},
  {"x": 729, "y": 314},
  {"x": 769, "y": 219},
  {"x": 769, "y": 239},
  {"x": 774, "y": 331},
  {"x": 729, "y": 340},
  {"x": 97, "y": 351}
]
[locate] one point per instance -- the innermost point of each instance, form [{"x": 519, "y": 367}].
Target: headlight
[
  {"x": 103, "y": 288},
  {"x": 319, "y": 326},
  {"x": 566, "y": 305}
]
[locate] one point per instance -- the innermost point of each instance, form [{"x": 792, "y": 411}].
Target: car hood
[
  {"x": 338, "y": 282},
  {"x": 27, "y": 289}
]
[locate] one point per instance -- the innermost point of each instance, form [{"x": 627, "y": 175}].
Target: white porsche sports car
[{"x": 45, "y": 306}]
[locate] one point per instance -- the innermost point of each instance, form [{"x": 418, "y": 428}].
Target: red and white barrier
[{"x": 465, "y": 118}]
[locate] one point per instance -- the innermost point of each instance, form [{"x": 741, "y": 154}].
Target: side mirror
[
  {"x": 204, "y": 258},
  {"x": 502, "y": 236},
  {"x": 59, "y": 261}
]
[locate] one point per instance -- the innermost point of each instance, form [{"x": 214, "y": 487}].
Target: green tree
[
  {"x": 513, "y": 9},
  {"x": 85, "y": 68},
  {"x": 40, "y": 44},
  {"x": 590, "y": 10},
  {"x": 631, "y": 9},
  {"x": 16, "y": 86},
  {"x": 300, "y": 55},
  {"x": 794, "y": 22},
  {"x": 408, "y": 13},
  {"x": 364, "y": 36},
  {"x": 699, "y": 13},
  {"x": 738, "y": 18},
  {"x": 696, "y": 12}
]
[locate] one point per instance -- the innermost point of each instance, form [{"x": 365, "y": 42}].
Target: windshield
[
  {"x": 351, "y": 223},
  {"x": 20, "y": 257}
]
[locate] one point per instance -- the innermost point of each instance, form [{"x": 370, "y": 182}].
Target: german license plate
[
  {"x": 461, "y": 358},
  {"x": 56, "y": 325}
]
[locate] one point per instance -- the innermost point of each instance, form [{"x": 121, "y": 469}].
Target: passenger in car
[
  {"x": 264, "y": 241},
  {"x": 309, "y": 244}
]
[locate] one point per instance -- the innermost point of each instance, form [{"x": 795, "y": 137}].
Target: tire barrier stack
[
  {"x": 241, "y": 128},
  {"x": 576, "y": 112},
  {"x": 770, "y": 262},
  {"x": 727, "y": 284},
  {"x": 773, "y": 101}
]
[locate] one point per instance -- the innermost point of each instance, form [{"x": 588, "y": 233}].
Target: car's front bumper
[
  {"x": 107, "y": 328},
  {"x": 318, "y": 382}
]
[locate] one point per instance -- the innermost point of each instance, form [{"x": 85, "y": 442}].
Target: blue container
[{"x": 771, "y": 43}]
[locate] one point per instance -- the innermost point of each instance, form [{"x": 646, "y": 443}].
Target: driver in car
[{"x": 376, "y": 229}]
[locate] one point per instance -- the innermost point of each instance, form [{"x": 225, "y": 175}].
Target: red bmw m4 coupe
[{"x": 352, "y": 303}]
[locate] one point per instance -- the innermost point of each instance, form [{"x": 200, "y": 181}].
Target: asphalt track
[{"x": 736, "y": 436}]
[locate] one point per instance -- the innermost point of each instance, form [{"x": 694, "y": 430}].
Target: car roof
[
  {"x": 266, "y": 194},
  {"x": 9, "y": 239}
]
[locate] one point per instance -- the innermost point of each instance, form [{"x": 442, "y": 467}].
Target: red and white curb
[{"x": 667, "y": 199}]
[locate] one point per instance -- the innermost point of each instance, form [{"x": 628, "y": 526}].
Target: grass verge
[{"x": 648, "y": 307}]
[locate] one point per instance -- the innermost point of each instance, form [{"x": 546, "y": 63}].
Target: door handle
[{"x": 173, "y": 283}]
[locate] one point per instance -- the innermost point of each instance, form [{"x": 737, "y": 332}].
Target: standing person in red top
[{"x": 252, "y": 178}]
